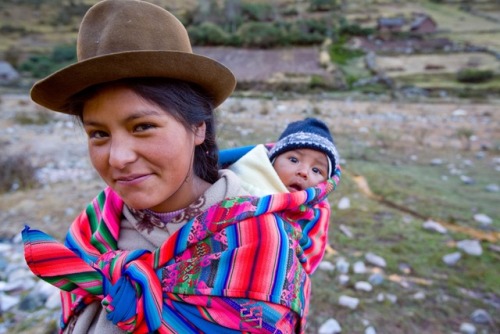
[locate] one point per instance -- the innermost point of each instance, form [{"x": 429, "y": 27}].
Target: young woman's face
[
  {"x": 301, "y": 169},
  {"x": 141, "y": 151}
]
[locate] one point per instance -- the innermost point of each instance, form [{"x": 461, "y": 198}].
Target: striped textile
[{"x": 243, "y": 250}]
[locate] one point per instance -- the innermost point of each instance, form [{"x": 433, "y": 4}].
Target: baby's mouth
[{"x": 294, "y": 187}]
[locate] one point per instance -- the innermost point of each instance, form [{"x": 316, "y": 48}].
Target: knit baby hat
[{"x": 309, "y": 133}]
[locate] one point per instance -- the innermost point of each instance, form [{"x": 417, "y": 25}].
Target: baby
[{"x": 304, "y": 156}]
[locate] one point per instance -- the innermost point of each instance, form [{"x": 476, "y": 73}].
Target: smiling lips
[{"x": 129, "y": 179}]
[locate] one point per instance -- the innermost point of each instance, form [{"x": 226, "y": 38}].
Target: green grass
[{"x": 399, "y": 238}]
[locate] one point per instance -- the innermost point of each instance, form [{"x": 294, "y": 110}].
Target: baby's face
[{"x": 302, "y": 168}]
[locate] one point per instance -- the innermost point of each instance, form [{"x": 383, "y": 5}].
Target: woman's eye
[
  {"x": 97, "y": 134},
  {"x": 143, "y": 127}
]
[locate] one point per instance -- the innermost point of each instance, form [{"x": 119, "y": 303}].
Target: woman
[{"x": 172, "y": 244}]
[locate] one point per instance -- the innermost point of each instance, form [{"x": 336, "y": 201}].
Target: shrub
[
  {"x": 472, "y": 75},
  {"x": 260, "y": 34},
  {"x": 322, "y": 5},
  {"x": 258, "y": 12},
  {"x": 341, "y": 55},
  {"x": 39, "y": 66},
  {"x": 64, "y": 53},
  {"x": 10, "y": 29},
  {"x": 208, "y": 34},
  {"x": 43, "y": 65},
  {"x": 318, "y": 81},
  {"x": 307, "y": 32},
  {"x": 17, "y": 173},
  {"x": 34, "y": 118}
]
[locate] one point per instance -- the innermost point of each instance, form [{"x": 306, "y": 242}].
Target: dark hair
[{"x": 186, "y": 102}]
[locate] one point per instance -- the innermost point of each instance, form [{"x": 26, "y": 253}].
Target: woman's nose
[{"x": 121, "y": 153}]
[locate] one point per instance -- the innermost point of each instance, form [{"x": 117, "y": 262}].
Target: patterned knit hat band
[{"x": 299, "y": 140}]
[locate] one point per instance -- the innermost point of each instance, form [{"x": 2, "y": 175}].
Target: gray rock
[
  {"x": 342, "y": 265},
  {"x": 7, "y": 302},
  {"x": 331, "y": 326},
  {"x": 376, "y": 279},
  {"x": 494, "y": 248},
  {"x": 349, "y": 302},
  {"x": 5, "y": 248},
  {"x": 363, "y": 286},
  {"x": 392, "y": 298},
  {"x": 437, "y": 162},
  {"x": 480, "y": 316},
  {"x": 467, "y": 328},
  {"x": 434, "y": 226},
  {"x": 344, "y": 229},
  {"x": 452, "y": 258},
  {"x": 31, "y": 302},
  {"x": 343, "y": 279},
  {"x": 359, "y": 267},
  {"x": 467, "y": 179},
  {"x": 54, "y": 301},
  {"x": 419, "y": 295},
  {"x": 370, "y": 330},
  {"x": 492, "y": 188},
  {"x": 344, "y": 203},
  {"x": 471, "y": 247},
  {"x": 375, "y": 260},
  {"x": 459, "y": 112},
  {"x": 483, "y": 219},
  {"x": 8, "y": 73},
  {"x": 326, "y": 266}
]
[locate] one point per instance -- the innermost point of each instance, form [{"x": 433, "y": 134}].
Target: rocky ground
[{"x": 56, "y": 146}]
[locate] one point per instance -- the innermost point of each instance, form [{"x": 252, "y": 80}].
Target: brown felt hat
[{"x": 130, "y": 39}]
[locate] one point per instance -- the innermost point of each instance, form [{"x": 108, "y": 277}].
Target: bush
[
  {"x": 42, "y": 65},
  {"x": 258, "y": 12},
  {"x": 208, "y": 34},
  {"x": 260, "y": 34},
  {"x": 17, "y": 173},
  {"x": 342, "y": 55},
  {"x": 64, "y": 53},
  {"x": 322, "y": 5},
  {"x": 39, "y": 66},
  {"x": 307, "y": 32},
  {"x": 472, "y": 75}
]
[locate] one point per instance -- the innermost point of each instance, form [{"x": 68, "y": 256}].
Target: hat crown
[{"x": 115, "y": 26}]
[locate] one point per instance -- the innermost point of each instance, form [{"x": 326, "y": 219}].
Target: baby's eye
[
  {"x": 293, "y": 159},
  {"x": 317, "y": 171},
  {"x": 143, "y": 127}
]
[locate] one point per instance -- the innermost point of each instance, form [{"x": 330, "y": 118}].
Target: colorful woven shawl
[{"x": 245, "y": 247}]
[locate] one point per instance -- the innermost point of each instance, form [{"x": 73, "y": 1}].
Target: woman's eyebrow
[
  {"x": 137, "y": 114},
  {"x": 143, "y": 113}
]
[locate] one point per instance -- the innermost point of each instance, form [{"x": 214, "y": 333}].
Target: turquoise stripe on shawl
[
  {"x": 263, "y": 204},
  {"x": 307, "y": 226},
  {"x": 182, "y": 239},
  {"x": 280, "y": 274},
  {"x": 222, "y": 280}
]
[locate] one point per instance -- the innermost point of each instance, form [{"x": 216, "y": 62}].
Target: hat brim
[{"x": 53, "y": 91}]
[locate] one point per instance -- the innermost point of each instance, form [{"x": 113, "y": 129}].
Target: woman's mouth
[{"x": 131, "y": 179}]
